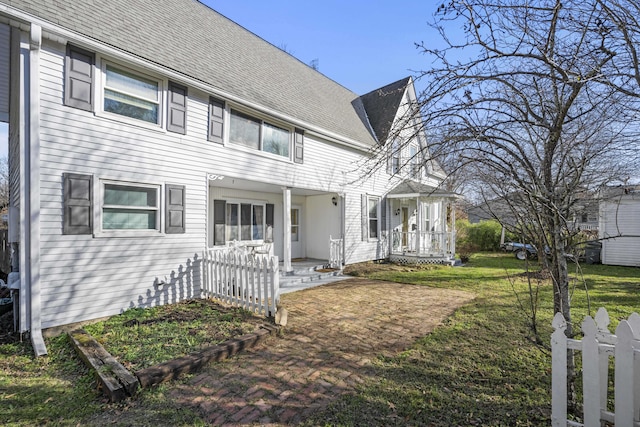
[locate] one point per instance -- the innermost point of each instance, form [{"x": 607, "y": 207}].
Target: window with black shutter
[
  {"x": 216, "y": 120},
  {"x": 175, "y": 209},
  {"x": 177, "y": 108},
  {"x": 78, "y": 90},
  {"x": 78, "y": 207}
]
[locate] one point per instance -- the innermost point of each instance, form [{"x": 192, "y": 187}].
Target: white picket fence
[
  {"x": 248, "y": 281},
  {"x": 597, "y": 346},
  {"x": 336, "y": 253}
]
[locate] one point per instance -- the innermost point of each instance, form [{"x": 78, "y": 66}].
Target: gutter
[
  {"x": 61, "y": 35},
  {"x": 32, "y": 196}
]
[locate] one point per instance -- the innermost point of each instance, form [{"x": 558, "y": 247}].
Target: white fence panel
[
  {"x": 248, "y": 281},
  {"x": 597, "y": 346},
  {"x": 336, "y": 253}
]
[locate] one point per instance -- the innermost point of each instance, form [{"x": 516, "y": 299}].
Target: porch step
[{"x": 307, "y": 276}]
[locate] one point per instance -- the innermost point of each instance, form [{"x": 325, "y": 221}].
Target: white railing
[
  {"x": 248, "y": 281},
  {"x": 336, "y": 257},
  {"x": 431, "y": 242},
  {"x": 597, "y": 346}
]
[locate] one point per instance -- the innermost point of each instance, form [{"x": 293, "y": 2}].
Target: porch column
[
  {"x": 453, "y": 228},
  {"x": 418, "y": 224},
  {"x": 286, "y": 207}
]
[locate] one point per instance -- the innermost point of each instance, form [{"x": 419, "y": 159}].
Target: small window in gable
[
  {"x": 395, "y": 157},
  {"x": 259, "y": 135},
  {"x": 414, "y": 161},
  {"x": 131, "y": 94}
]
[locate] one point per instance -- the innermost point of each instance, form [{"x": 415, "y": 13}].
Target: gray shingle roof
[
  {"x": 382, "y": 105},
  {"x": 192, "y": 39}
]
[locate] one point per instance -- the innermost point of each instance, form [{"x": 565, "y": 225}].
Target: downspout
[{"x": 32, "y": 174}]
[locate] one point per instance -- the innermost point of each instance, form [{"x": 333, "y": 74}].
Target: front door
[
  {"x": 296, "y": 233},
  {"x": 405, "y": 227}
]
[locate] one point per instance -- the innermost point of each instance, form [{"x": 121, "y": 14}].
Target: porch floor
[{"x": 307, "y": 273}]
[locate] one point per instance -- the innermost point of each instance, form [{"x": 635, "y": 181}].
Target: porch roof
[{"x": 411, "y": 189}]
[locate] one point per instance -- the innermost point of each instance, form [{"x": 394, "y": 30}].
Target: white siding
[
  {"x": 85, "y": 277},
  {"x": 5, "y": 32},
  {"x": 621, "y": 217}
]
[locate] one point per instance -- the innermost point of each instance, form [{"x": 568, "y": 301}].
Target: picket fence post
[{"x": 559, "y": 372}]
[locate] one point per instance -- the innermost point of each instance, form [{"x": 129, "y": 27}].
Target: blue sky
[{"x": 363, "y": 45}]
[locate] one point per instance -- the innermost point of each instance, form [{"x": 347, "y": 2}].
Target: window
[
  {"x": 130, "y": 207},
  {"x": 244, "y": 221},
  {"x": 295, "y": 224},
  {"x": 254, "y": 133},
  {"x": 395, "y": 157},
  {"x": 413, "y": 161},
  {"x": 426, "y": 216},
  {"x": 131, "y": 95},
  {"x": 373, "y": 217}
]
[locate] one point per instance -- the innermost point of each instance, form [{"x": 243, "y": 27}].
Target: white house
[
  {"x": 143, "y": 133},
  {"x": 619, "y": 228}
]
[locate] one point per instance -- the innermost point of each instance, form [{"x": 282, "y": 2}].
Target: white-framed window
[
  {"x": 414, "y": 163},
  {"x": 245, "y": 221},
  {"x": 373, "y": 204},
  {"x": 131, "y": 94},
  {"x": 258, "y": 134},
  {"x": 129, "y": 207},
  {"x": 394, "y": 167}
]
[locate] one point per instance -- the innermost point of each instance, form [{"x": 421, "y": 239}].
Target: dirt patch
[{"x": 7, "y": 335}]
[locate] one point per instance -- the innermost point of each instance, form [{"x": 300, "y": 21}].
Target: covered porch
[
  {"x": 290, "y": 223},
  {"x": 422, "y": 224}
]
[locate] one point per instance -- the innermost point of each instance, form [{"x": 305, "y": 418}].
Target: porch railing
[
  {"x": 247, "y": 281},
  {"x": 431, "y": 242},
  {"x": 336, "y": 253}
]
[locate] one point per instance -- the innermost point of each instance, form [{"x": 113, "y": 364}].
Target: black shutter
[
  {"x": 177, "y": 108},
  {"x": 298, "y": 146},
  {"x": 78, "y": 85},
  {"x": 268, "y": 237},
  {"x": 78, "y": 207},
  {"x": 174, "y": 209},
  {"x": 219, "y": 220},
  {"x": 216, "y": 120}
]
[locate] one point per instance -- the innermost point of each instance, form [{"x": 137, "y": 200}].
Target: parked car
[{"x": 521, "y": 250}]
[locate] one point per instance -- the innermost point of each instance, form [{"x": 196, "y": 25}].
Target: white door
[{"x": 297, "y": 247}]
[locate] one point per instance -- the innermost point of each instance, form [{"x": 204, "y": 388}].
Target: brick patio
[{"x": 333, "y": 333}]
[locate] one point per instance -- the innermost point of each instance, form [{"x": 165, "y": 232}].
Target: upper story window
[
  {"x": 414, "y": 162},
  {"x": 255, "y": 133},
  {"x": 395, "y": 157},
  {"x": 131, "y": 94}
]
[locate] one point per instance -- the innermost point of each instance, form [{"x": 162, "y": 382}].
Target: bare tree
[{"x": 539, "y": 103}]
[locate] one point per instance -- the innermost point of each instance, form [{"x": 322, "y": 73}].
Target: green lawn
[{"x": 480, "y": 368}]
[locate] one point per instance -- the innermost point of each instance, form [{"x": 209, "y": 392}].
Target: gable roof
[
  {"x": 188, "y": 37},
  {"x": 382, "y": 106}
]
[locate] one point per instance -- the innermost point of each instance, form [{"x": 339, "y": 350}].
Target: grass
[
  {"x": 480, "y": 368},
  {"x": 140, "y": 338},
  {"x": 59, "y": 390}
]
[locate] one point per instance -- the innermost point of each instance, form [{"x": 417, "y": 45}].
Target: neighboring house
[
  {"x": 143, "y": 133},
  {"x": 620, "y": 226}
]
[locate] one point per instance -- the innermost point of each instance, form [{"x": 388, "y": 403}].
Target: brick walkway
[{"x": 333, "y": 333}]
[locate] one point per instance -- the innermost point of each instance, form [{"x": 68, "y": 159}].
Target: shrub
[{"x": 483, "y": 236}]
